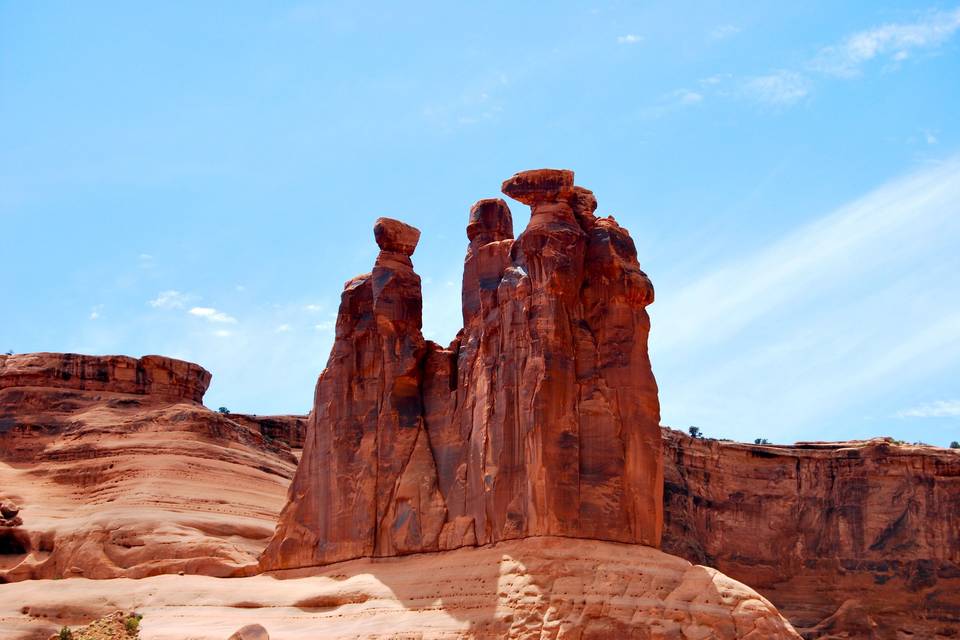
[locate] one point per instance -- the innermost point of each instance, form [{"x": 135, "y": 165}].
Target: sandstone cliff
[
  {"x": 541, "y": 418},
  {"x": 860, "y": 538},
  {"x": 119, "y": 471}
]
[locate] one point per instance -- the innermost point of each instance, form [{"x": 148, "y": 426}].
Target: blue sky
[{"x": 200, "y": 179}]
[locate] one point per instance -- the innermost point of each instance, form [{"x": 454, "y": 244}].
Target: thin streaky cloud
[
  {"x": 724, "y": 31},
  {"x": 937, "y": 409},
  {"x": 630, "y": 38},
  {"x": 211, "y": 314},
  {"x": 898, "y": 41},
  {"x": 788, "y": 335},
  {"x": 782, "y": 88},
  {"x": 170, "y": 299},
  {"x": 865, "y": 233}
]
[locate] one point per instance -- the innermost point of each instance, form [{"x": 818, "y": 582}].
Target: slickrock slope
[
  {"x": 541, "y": 418},
  {"x": 534, "y": 589},
  {"x": 853, "y": 537},
  {"x": 119, "y": 471}
]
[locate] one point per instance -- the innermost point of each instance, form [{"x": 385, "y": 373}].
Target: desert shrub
[
  {"x": 955, "y": 445},
  {"x": 132, "y": 623},
  {"x": 761, "y": 441},
  {"x": 223, "y": 410},
  {"x": 65, "y": 634},
  {"x": 695, "y": 432}
]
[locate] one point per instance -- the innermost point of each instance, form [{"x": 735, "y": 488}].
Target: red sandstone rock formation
[
  {"x": 541, "y": 418},
  {"x": 532, "y": 589},
  {"x": 289, "y": 429},
  {"x": 858, "y": 538},
  {"x": 117, "y": 470},
  {"x": 156, "y": 376}
]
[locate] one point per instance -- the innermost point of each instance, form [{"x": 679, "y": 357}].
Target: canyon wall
[
  {"x": 156, "y": 376},
  {"x": 851, "y": 537},
  {"x": 541, "y": 418}
]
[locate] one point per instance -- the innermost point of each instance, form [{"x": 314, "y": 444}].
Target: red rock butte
[{"x": 541, "y": 418}]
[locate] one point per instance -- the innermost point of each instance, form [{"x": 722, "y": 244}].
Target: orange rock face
[
  {"x": 110, "y": 467},
  {"x": 541, "y": 418},
  {"x": 858, "y": 538},
  {"x": 156, "y": 376},
  {"x": 532, "y": 589}
]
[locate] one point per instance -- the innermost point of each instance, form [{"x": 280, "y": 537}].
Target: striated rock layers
[
  {"x": 534, "y": 589},
  {"x": 110, "y": 467},
  {"x": 156, "y": 376},
  {"x": 541, "y": 418},
  {"x": 858, "y": 538}
]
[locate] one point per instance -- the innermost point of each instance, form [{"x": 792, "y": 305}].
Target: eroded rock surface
[
  {"x": 531, "y": 589},
  {"x": 109, "y": 466},
  {"x": 858, "y": 538},
  {"x": 156, "y": 376},
  {"x": 541, "y": 418}
]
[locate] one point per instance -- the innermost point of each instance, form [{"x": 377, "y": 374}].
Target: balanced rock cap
[
  {"x": 538, "y": 185},
  {"x": 490, "y": 221},
  {"x": 396, "y": 236}
]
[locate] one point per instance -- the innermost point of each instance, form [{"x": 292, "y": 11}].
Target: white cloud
[
  {"x": 715, "y": 79},
  {"x": 222, "y": 333},
  {"x": 630, "y": 38},
  {"x": 689, "y": 97},
  {"x": 781, "y": 89},
  {"x": 95, "y": 312},
  {"x": 838, "y": 314},
  {"x": 324, "y": 326},
  {"x": 930, "y": 137},
  {"x": 898, "y": 41},
  {"x": 171, "y": 299},
  {"x": 724, "y": 31},
  {"x": 313, "y": 308},
  {"x": 283, "y": 328},
  {"x": 211, "y": 314},
  {"x": 938, "y": 409}
]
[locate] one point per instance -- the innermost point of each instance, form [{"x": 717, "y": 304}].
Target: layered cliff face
[
  {"x": 115, "y": 469},
  {"x": 541, "y": 418},
  {"x": 155, "y": 376},
  {"x": 861, "y": 538}
]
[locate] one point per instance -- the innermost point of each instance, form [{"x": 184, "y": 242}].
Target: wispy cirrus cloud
[
  {"x": 833, "y": 316},
  {"x": 937, "y": 409},
  {"x": 211, "y": 314},
  {"x": 781, "y": 88},
  {"x": 723, "y": 32},
  {"x": 170, "y": 299},
  {"x": 894, "y": 42},
  {"x": 847, "y": 58},
  {"x": 630, "y": 38}
]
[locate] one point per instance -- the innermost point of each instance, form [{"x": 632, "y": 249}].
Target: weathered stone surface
[
  {"x": 128, "y": 475},
  {"x": 541, "y": 418},
  {"x": 534, "y": 589},
  {"x": 250, "y": 632},
  {"x": 290, "y": 429},
  {"x": 861, "y": 538},
  {"x": 156, "y": 376}
]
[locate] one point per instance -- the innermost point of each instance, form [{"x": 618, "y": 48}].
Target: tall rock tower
[{"x": 541, "y": 418}]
